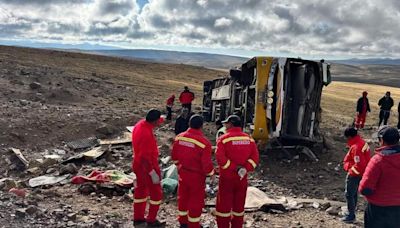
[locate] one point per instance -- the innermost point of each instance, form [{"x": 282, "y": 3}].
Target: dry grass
[{"x": 339, "y": 102}]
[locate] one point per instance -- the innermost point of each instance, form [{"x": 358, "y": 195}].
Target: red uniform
[
  {"x": 170, "y": 101},
  {"x": 357, "y": 158},
  {"x": 192, "y": 153},
  {"x": 186, "y": 97},
  {"x": 234, "y": 149},
  {"x": 145, "y": 159},
  {"x": 362, "y": 109},
  {"x": 382, "y": 176}
]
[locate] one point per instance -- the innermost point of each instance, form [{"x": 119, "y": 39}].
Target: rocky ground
[{"x": 49, "y": 98}]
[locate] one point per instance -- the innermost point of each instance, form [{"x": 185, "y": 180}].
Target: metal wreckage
[{"x": 278, "y": 100}]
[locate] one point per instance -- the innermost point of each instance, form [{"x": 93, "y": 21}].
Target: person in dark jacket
[
  {"x": 386, "y": 103},
  {"x": 362, "y": 109},
  {"x": 380, "y": 183},
  {"x": 186, "y": 98},
  {"x": 182, "y": 122},
  {"x": 398, "y": 112}
]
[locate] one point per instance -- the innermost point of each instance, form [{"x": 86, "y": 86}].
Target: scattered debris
[
  {"x": 257, "y": 199},
  {"x": 130, "y": 128},
  {"x": 333, "y": 210},
  {"x": 171, "y": 172},
  {"x": 8, "y": 183},
  {"x": 91, "y": 155},
  {"x": 106, "y": 130},
  {"x": 35, "y": 85},
  {"x": 83, "y": 143},
  {"x": 165, "y": 160},
  {"x": 169, "y": 185},
  {"x": 113, "y": 176},
  {"x": 46, "y": 180},
  {"x": 124, "y": 139},
  {"x": 18, "y": 192},
  {"x": 69, "y": 169},
  {"x": 19, "y": 159}
]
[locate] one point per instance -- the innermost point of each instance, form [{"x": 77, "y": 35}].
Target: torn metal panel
[
  {"x": 91, "y": 155},
  {"x": 124, "y": 139},
  {"x": 17, "y": 153},
  {"x": 83, "y": 143}
]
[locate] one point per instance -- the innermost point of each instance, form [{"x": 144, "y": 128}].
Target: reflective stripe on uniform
[
  {"x": 155, "y": 202},
  {"x": 252, "y": 162},
  {"x": 182, "y": 213},
  {"x": 197, "y": 219},
  {"x": 194, "y": 141},
  {"x": 237, "y": 214},
  {"x": 140, "y": 200},
  {"x": 355, "y": 170},
  {"x": 211, "y": 173},
  {"x": 225, "y": 215},
  {"x": 227, "y": 164},
  {"x": 236, "y": 138},
  {"x": 365, "y": 148}
]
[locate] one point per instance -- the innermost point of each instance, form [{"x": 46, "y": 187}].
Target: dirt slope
[{"x": 78, "y": 93}]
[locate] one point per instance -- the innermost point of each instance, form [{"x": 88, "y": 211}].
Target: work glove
[
  {"x": 241, "y": 171},
  {"x": 155, "y": 178}
]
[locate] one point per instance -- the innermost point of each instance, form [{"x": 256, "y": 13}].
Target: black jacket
[
  {"x": 386, "y": 104},
  {"x": 360, "y": 104},
  {"x": 181, "y": 125}
]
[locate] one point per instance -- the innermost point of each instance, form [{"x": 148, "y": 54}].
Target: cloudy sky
[{"x": 306, "y": 28}]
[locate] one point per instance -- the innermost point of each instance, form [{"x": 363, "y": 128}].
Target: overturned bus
[{"x": 278, "y": 99}]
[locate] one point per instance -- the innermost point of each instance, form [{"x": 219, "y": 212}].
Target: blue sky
[{"x": 329, "y": 29}]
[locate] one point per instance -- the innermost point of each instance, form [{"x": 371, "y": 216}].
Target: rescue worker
[
  {"x": 362, "y": 109},
  {"x": 354, "y": 164},
  {"x": 236, "y": 154},
  {"x": 182, "y": 122},
  {"x": 191, "y": 152},
  {"x": 385, "y": 103},
  {"x": 381, "y": 182},
  {"x": 145, "y": 166},
  {"x": 186, "y": 98},
  {"x": 170, "y": 104}
]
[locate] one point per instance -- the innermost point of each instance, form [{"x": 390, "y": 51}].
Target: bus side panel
[{"x": 260, "y": 115}]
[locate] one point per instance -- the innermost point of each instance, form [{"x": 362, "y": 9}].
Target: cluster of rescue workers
[
  {"x": 236, "y": 155},
  {"x": 385, "y": 103},
  {"x": 377, "y": 178}
]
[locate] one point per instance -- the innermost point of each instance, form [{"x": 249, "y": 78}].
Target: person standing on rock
[
  {"x": 362, "y": 109},
  {"x": 385, "y": 103},
  {"x": 170, "y": 104},
  {"x": 145, "y": 166},
  {"x": 186, "y": 98},
  {"x": 354, "y": 164},
  {"x": 236, "y": 154},
  {"x": 191, "y": 152},
  {"x": 381, "y": 182}
]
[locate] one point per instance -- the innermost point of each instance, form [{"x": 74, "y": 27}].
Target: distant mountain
[
  {"x": 189, "y": 58},
  {"x": 375, "y": 61}
]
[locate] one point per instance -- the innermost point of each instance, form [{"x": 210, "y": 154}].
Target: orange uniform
[
  {"x": 192, "y": 153},
  {"x": 145, "y": 159},
  {"x": 235, "y": 149}
]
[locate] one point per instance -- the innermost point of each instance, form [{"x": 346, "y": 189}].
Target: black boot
[{"x": 156, "y": 224}]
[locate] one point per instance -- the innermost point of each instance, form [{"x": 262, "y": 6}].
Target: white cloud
[
  {"x": 222, "y": 22},
  {"x": 303, "y": 27}
]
